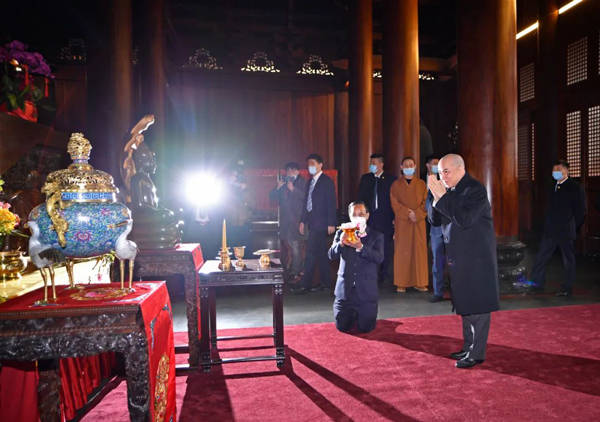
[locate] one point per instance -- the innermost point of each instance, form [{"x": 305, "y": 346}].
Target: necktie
[
  {"x": 375, "y": 204},
  {"x": 310, "y": 191}
]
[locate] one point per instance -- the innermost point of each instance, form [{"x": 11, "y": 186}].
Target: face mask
[
  {"x": 312, "y": 170},
  {"x": 409, "y": 171},
  {"x": 358, "y": 220},
  {"x": 557, "y": 175},
  {"x": 361, "y": 222},
  {"x": 434, "y": 169},
  {"x": 373, "y": 168}
]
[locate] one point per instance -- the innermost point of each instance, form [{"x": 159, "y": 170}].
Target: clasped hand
[
  {"x": 344, "y": 240},
  {"x": 436, "y": 187}
]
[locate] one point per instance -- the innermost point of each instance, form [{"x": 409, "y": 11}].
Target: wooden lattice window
[
  {"x": 577, "y": 61},
  {"x": 594, "y": 141},
  {"x": 523, "y": 157},
  {"x": 527, "y": 83},
  {"x": 533, "y": 151},
  {"x": 574, "y": 143}
]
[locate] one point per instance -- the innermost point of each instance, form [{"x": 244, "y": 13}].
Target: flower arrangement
[
  {"x": 8, "y": 221},
  {"x": 18, "y": 90}
]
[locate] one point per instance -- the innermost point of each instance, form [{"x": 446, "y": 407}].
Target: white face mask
[{"x": 361, "y": 222}]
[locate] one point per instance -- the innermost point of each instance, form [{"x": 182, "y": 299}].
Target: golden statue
[{"x": 136, "y": 138}]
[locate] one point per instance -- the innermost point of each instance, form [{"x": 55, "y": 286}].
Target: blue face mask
[
  {"x": 373, "y": 168},
  {"x": 312, "y": 170},
  {"x": 557, "y": 175},
  {"x": 409, "y": 171},
  {"x": 434, "y": 169}
]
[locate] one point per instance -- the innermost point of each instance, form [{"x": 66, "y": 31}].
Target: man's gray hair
[{"x": 455, "y": 160}]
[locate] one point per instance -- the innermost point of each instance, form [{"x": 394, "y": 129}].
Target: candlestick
[{"x": 224, "y": 236}]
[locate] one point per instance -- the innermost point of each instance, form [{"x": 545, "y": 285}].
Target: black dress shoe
[
  {"x": 563, "y": 293},
  {"x": 468, "y": 363},
  {"x": 317, "y": 288},
  {"x": 458, "y": 355},
  {"x": 299, "y": 290},
  {"x": 435, "y": 299}
]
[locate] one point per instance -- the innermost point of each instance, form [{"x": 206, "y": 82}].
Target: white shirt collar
[
  {"x": 560, "y": 183},
  {"x": 379, "y": 175},
  {"x": 316, "y": 176}
]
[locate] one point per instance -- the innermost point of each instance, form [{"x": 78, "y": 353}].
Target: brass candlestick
[
  {"x": 225, "y": 264},
  {"x": 264, "y": 260},
  {"x": 238, "y": 251}
]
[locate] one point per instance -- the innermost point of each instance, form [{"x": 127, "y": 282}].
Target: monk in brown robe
[{"x": 408, "y": 194}]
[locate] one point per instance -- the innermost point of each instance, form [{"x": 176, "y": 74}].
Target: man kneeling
[{"x": 356, "y": 287}]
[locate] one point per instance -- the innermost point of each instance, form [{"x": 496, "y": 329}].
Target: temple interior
[{"x": 150, "y": 152}]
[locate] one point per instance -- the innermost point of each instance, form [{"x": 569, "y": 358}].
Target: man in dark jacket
[
  {"x": 436, "y": 237},
  {"x": 470, "y": 241},
  {"x": 374, "y": 191},
  {"x": 289, "y": 194},
  {"x": 564, "y": 216},
  {"x": 356, "y": 287},
  {"x": 319, "y": 219}
]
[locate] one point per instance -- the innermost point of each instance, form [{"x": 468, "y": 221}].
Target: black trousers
[
  {"x": 547, "y": 248},
  {"x": 354, "y": 311},
  {"x": 476, "y": 328},
  {"x": 317, "y": 245}
]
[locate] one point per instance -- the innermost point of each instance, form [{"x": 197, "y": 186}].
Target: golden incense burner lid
[{"x": 80, "y": 182}]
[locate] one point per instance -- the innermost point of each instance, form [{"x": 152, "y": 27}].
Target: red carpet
[{"x": 542, "y": 364}]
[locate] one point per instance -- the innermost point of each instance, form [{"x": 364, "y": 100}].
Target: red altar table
[
  {"x": 93, "y": 319},
  {"x": 185, "y": 260}
]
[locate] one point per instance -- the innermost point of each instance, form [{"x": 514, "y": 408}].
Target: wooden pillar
[
  {"x": 120, "y": 95},
  {"x": 341, "y": 153},
  {"x": 547, "y": 119},
  {"x": 361, "y": 89},
  {"x": 400, "y": 83},
  {"x": 487, "y": 103},
  {"x": 154, "y": 81}
]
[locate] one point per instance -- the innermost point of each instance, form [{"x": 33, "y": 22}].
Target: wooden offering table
[
  {"x": 212, "y": 277},
  {"x": 89, "y": 320},
  {"x": 185, "y": 259}
]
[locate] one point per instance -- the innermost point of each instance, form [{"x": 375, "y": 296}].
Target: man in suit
[
  {"x": 356, "y": 287},
  {"x": 319, "y": 220},
  {"x": 565, "y": 214},
  {"x": 436, "y": 237},
  {"x": 289, "y": 194},
  {"x": 374, "y": 190},
  {"x": 468, "y": 229}
]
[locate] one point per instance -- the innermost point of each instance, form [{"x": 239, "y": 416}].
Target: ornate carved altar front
[{"x": 95, "y": 319}]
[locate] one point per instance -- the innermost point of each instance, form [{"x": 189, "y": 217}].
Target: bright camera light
[{"x": 203, "y": 189}]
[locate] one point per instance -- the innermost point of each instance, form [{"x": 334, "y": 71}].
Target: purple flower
[
  {"x": 35, "y": 61},
  {"x": 16, "y": 45}
]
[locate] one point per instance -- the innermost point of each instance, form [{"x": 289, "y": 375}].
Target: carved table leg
[
  {"x": 138, "y": 382},
  {"x": 191, "y": 304},
  {"x": 49, "y": 391},
  {"x": 213, "y": 317},
  {"x": 278, "y": 323},
  {"x": 205, "y": 328}
]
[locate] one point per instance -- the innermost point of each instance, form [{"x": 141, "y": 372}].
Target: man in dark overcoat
[
  {"x": 374, "y": 191},
  {"x": 289, "y": 194},
  {"x": 565, "y": 214},
  {"x": 470, "y": 240}
]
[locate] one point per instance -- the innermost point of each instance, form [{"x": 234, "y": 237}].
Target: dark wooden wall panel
[{"x": 265, "y": 128}]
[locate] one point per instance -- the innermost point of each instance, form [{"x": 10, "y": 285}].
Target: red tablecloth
[{"x": 80, "y": 375}]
